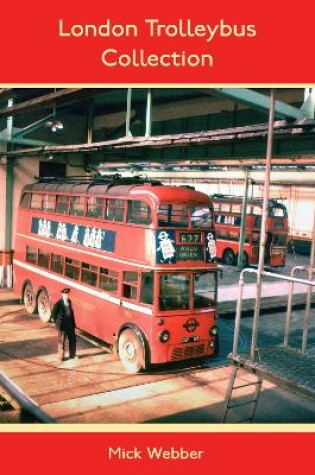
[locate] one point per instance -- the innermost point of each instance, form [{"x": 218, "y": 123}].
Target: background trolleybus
[
  {"x": 228, "y": 220},
  {"x": 139, "y": 257}
]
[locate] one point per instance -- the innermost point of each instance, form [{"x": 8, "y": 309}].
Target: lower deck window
[
  {"x": 89, "y": 274},
  {"x": 57, "y": 263},
  {"x": 31, "y": 255},
  {"x": 108, "y": 280},
  {"x": 43, "y": 259},
  {"x": 130, "y": 284},
  {"x": 204, "y": 289},
  {"x": 174, "y": 292},
  {"x": 72, "y": 269}
]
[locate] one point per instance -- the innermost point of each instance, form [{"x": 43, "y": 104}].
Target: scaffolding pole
[{"x": 262, "y": 243}]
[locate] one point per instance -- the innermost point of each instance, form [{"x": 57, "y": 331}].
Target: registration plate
[{"x": 190, "y": 339}]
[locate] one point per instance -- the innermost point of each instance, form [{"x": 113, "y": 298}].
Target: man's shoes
[{"x": 73, "y": 357}]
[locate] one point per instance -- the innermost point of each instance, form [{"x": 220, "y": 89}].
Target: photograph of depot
[{"x": 157, "y": 255}]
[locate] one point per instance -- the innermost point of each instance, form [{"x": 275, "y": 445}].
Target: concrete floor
[{"x": 96, "y": 388}]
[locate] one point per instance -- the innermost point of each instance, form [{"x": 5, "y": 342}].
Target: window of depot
[
  {"x": 25, "y": 201},
  {"x": 31, "y": 255},
  {"x": 43, "y": 259},
  {"x": 89, "y": 274},
  {"x": 77, "y": 205},
  {"x": 108, "y": 280},
  {"x": 115, "y": 210},
  {"x": 49, "y": 203},
  {"x": 62, "y": 204},
  {"x": 95, "y": 207},
  {"x": 57, "y": 263},
  {"x": 138, "y": 212},
  {"x": 130, "y": 284},
  {"x": 36, "y": 201},
  {"x": 72, "y": 268}
]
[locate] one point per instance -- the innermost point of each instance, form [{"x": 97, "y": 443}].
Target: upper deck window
[
  {"x": 62, "y": 204},
  {"x": 138, "y": 212},
  {"x": 236, "y": 208},
  {"x": 36, "y": 201},
  {"x": 201, "y": 217},
  {"x": 77, "y": 205},
  {"x": 225, "y": 207},
  {"x": 25, "y": 201},
  {"x": 115, "y": 210},
  {"x": 277, "y": 212},
  {"x": 49, "y": 203},
  {"x": 257, "y": 210},
  {"x": 173, "y": 215},
  {"x": 95, "y": 207}
]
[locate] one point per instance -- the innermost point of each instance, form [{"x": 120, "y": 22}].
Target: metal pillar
[
  {"x": 243, "y": 222},
  {"x": 90, "y": 122},
  {"x": 262, "y": 243},
  {"x": 128, "y": 112},
  {"x": 287, "y": 325},
  {"x": 148, "y": 115},
  {"x": 309, "y": 293},
  {"x": 6, "y": 266}
]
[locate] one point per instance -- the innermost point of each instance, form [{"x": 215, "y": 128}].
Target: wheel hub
[{"x": 130, "y": 350}]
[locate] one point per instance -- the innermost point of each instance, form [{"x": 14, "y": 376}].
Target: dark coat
[{"x": 59, "y": 316}]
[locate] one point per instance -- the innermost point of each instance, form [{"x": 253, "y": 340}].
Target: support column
[
  {"x": 240, "y": 261},
  {"x": 6, "y": 185}
]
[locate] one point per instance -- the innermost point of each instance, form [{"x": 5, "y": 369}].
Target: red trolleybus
[
  {"x": 138, "y": 256},
  {"x": 228, "y": 220}
]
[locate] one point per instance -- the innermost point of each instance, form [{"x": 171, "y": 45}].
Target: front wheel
[
  {"x": 29, "y": 299},
  {"x": 131, "y": 351},
  {"x": 43, "y": 306},
  {"x": 229, "y": 257}
]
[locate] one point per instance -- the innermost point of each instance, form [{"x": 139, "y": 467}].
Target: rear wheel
[
  {"x": 130, "y": 351},
  {"x": 229, "y": 257},
  {"x": 43, "y": 305},
  {"x": 29, "y": 299}
]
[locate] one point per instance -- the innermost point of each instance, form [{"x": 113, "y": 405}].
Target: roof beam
[
  {"x": 257, "y": 101},
  {"x": 64, "y": 95},
  {"x": 252, "y": 132}
]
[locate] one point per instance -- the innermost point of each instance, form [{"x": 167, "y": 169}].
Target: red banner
[
  {"x": 156, "y": 453},
  {"x": 165, "y": 42}
]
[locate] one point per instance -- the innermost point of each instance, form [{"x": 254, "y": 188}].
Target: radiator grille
[{"x": 180, "y": 353}]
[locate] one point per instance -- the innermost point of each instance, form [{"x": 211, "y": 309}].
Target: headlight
[
  {"x": 213, "y": 331},
  {"x": 164, "y": 336}
]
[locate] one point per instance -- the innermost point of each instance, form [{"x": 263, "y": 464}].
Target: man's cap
[{"x": 65, "y": 291}]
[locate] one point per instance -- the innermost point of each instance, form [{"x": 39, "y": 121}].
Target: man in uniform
[{"x": 63, "y": 316}]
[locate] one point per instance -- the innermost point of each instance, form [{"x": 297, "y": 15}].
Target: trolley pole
[
  {"x": 262, "y": 243},
  {"x": 307, "y": 313},
  {"x": 243, "y": 222}
]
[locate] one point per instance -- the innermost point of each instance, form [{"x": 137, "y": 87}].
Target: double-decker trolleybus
[
  {"x": 139, "y": 257},
  {"x": 228, "y": 210}
]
